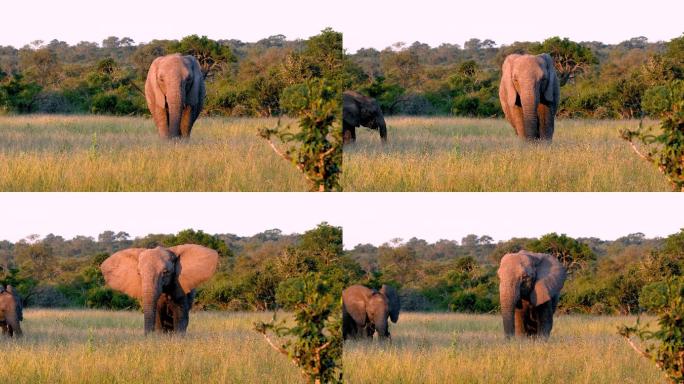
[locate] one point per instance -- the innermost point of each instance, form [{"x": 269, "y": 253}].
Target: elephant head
[
  {"x": 161, "y": 278},
  {"x": 175, "y": 92},
  {"x": 359, "y": 110},
  {"x": 529, "y": 289},
  {"x": 11, "y": 312},
  {"x": 365, "y": 311},
  {"x": 529, "y": 93}
]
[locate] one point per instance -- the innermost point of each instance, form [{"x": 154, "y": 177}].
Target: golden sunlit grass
[
  {"x": 462, "y": 348},
  {"x": 460, "y": 154},
  {"x": 87, "y": 346},
  {"x": 104, "y": 153}
]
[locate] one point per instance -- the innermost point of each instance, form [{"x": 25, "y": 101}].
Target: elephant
[
  {"x": 365, "y": 311},
  {"x": 529, "y": 93},
  {"x": 11, "y": 312},
  {"x": 175, "y": 92},
  {"x": 163, "y": 279},
  {"x": 359, "y": 110},
  {"x": 529, "y": 289}
]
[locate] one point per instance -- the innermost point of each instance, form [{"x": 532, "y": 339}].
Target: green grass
[
  {"x": 103, "y": 153},
  {"x": 461, "y": 348},
  {"x": 87, "y": 346},
  {"x": 459, "y": 154}
]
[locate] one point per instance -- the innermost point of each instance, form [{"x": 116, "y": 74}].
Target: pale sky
[
  {"x": 376, "y": 218},
  {"x": 365, "y": 217},
  {"x": 365, "y": 23},
  {"x": 245, "y": 214}
]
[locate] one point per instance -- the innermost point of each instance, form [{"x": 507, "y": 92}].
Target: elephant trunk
[
  {"x": 509, "y": 294},
  {"x": 382, "y": 327},
  {"x": 12, "y": 319},
  {"x": 382, "y": 127},
  {"x": 530, "y": 102},
  {"x": 175, "y": 101},
  {"x": 150, "y": 296}
]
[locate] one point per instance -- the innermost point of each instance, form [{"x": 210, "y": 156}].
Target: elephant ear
[
  {"x": 350, "y": 109},
  {"x": 552, "y": 78},
  {"x": 393, "y": 301},
  {"x": 550, "y": 279},
  {"x": 153, "y": 93},
  {"x": 507, "y": 86},
  {"x": 120, "y": 272},
  {"x": 196, "y": 264},
  {"x": 197, "y": 91}
]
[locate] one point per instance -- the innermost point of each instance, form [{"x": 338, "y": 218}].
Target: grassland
[
  {"x": 86, "y": 346},
  {"x": 100, "y": 153},
  {"x": 459, "y": 154},
  {"x": 460, "y": 348}
]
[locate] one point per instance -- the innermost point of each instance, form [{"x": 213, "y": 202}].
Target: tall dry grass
[
  {"x": 87, "y": 346},
  {"x": 102, "y": 153},
  {"x": 460, "y": 154},
  {"x": 461, "y": 348}
]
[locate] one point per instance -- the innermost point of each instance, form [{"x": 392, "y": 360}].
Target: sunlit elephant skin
[
  {"x": 365, "y": 311},
  {"x": 529, "y": 93},
  {"x": 529, "y": 290},
  {"x": 11, "y": 312},
  {"x": 175, "y": 92},
  {"x": 359, "y": 110},
  {"x": 163, "y": 279}
]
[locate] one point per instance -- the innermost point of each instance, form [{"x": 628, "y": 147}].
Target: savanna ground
[
  {"x": 462, "y": 154},
  {"x": 463, "y": 348},
  {"x": 88, "y": 346},
  {"x": 105, "y": 153}
]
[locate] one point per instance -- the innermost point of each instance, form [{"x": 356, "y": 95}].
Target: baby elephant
[
  {"x": 529, "y": 290},
  {"x": 366, "y": 310},
  {"x": 11, "y": 312}
]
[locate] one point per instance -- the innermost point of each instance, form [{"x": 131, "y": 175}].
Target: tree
[
  {"x": 571, "y": 59},
  {"x": 665, "y": 148},
  {"x": 312, "y": 288},
  {"x": 316, "y": 150},
  {"x": 210, "y": 53},
  {"x": 668, "y": 351},
  {"x": 573, "y": 254}
]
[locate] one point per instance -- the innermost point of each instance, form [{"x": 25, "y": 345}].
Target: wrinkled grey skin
[
  {"x": 11, "y": 312},
  {"x": 529, "y": 93},
  {"x": 359, "y": 110},
  {"x": 163, "y": 279},
  {"x": 365, "y": 311},
  {"x": 175, "y": 92},
  {"x": 529, "y": 289}
]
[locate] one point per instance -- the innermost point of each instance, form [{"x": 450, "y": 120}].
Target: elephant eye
[{"x": 165, "y": 271}]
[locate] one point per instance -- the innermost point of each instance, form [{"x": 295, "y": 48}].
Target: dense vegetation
[
  {"x": 260, "y": 272},
  {"x": 55, "y": 272},
  {"x": 598, "y": 80},
  {"x": 243, "y": 79},
  {"x": 623, "y": 276}
]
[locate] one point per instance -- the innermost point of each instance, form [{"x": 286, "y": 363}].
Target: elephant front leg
[
  {"x": 161, "y": 120},
  {"x": 186, "y": 122},
  {"x": 544, "y": 314},
  {"x": 546, "y": 122},
  {"x": 519, "y": 322},
  {"x": 515, "y": 117}
]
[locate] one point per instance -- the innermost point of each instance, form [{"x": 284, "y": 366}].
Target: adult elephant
[
  {"x": 529, "y": 93},
  {"x": 529, "y": 289},
  {"x": 365, "y": 311},
  {"x": 175, "y": 92},
  {"x": 164, "y": 279},
  {"x": 11, "y": 312},
  {"x": 359, "y": 110}
]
